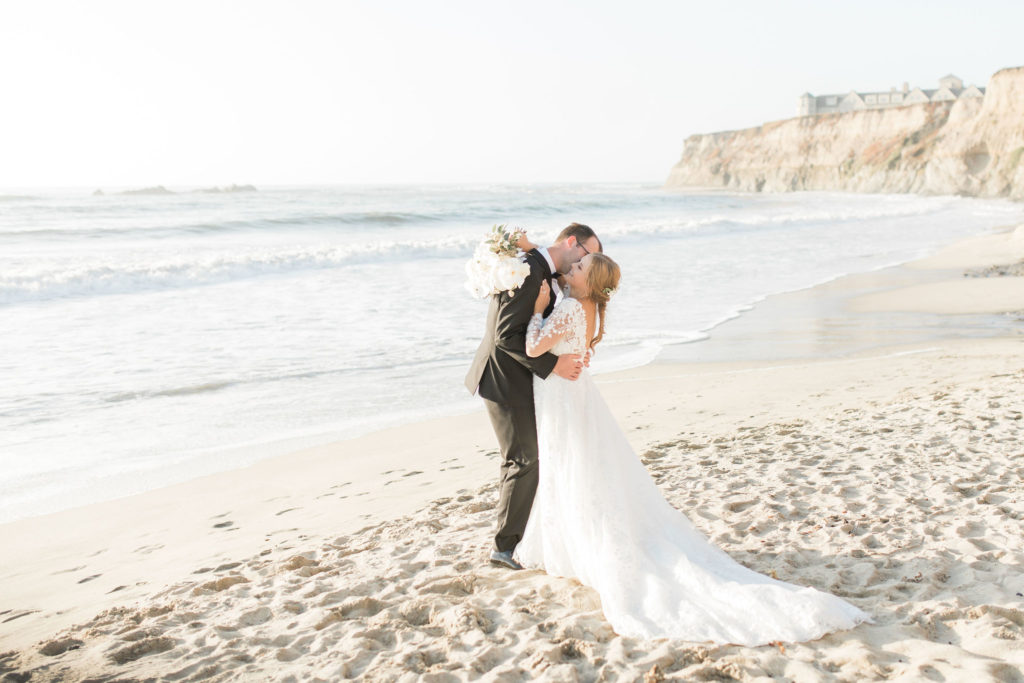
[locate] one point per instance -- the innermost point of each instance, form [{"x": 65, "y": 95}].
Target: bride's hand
[
  {"x": 524, "y": 243},
  {"x": 543, "y": 298}
]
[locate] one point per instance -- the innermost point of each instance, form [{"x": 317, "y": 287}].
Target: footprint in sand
[
  {"x": 740, "y": 505},
  {"x": 282, "y": 531},
  {"x": 223, "y": 525},
  {"x": 19, "y": 615},
  {"x": 60, "y": 646},
  {"x": 68, "y": 571},
  {"x": 971, "y": 530},
  {"x": 278, "y": 514},
  {"x": 147, "y": 549},
  {"x": 140, "y": 648},
  {"x": 90, "y": 578}
]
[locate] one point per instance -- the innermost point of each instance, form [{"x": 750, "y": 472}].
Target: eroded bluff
[{"x": 968, "y": 147}]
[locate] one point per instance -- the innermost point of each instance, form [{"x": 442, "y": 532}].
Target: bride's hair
[{"x": 602, "y": 280}]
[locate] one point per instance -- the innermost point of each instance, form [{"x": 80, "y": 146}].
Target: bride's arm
[{"x": 541, "y": 336}]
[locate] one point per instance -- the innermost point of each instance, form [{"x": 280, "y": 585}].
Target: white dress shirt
[{"x": 556, "y": 291}]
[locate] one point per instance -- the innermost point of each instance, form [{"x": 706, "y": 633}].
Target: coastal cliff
[{"x": 971, "y": 147}]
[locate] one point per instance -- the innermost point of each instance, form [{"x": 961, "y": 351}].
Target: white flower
[{"x": 489, "y": 272}]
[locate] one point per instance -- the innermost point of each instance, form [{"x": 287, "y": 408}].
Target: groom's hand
[
  {"x": 523, "y": 243},
  {"x": 568, "y": 366}
]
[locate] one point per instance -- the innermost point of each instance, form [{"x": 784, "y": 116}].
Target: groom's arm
[{"x": 514, "y": 313}]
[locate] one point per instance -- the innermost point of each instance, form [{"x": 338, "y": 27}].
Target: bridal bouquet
[{"x": 498, "y": 264}]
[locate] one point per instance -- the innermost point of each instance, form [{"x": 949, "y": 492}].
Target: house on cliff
[{"x": 950, "y": 88}]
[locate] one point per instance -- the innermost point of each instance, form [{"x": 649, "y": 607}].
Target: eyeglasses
[{"x": 586, "y": 252}]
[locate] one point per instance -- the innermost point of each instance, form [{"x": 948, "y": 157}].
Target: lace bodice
[{"x": 568, "y": 323}]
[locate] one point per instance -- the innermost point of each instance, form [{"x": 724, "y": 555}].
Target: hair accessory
[{"x": 608, "y": 291}]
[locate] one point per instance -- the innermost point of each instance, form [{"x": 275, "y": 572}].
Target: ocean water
[{"x": 150, "y": 339}]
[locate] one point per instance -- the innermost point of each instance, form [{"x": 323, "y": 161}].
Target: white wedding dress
[{"x": 599, "y": 517}]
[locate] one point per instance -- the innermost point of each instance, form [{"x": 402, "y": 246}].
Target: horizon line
[{"x": 373, "y": 183}]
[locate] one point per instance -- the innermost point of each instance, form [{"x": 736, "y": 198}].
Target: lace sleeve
[{"x": 542, "y": 335}]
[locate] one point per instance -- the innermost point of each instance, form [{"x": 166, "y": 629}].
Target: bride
[{"x": 599, "y": 517}]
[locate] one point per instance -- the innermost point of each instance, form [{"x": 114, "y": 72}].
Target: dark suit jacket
[{"x": 501, "y": 370}]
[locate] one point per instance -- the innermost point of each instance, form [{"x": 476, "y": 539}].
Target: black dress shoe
[{"x": 503, "y": 558}]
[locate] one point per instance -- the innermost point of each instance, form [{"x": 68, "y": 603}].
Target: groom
[{"x": 502, "y": 373}]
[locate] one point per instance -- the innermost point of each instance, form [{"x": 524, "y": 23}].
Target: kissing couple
[{"x": 576, "y": 501}]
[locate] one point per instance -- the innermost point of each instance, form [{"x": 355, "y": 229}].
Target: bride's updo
[{"x": 602, "y": 281}]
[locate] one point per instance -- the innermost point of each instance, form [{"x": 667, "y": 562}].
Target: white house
[{"x": 950, "y": 88}]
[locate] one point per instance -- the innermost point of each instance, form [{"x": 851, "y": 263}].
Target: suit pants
[{"x": 516, "y": 429}]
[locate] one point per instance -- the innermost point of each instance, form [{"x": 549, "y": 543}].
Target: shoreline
[
  {"x": 875, "y": 309},
  {"x": 719, "y": 342},
  {"x": 63, "y": 568}
]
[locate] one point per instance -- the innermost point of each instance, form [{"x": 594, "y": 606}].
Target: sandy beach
[{"x": 887, "y": 471}]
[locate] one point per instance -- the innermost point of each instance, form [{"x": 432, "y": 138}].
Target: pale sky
[{"x": 133, "y": 93}]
